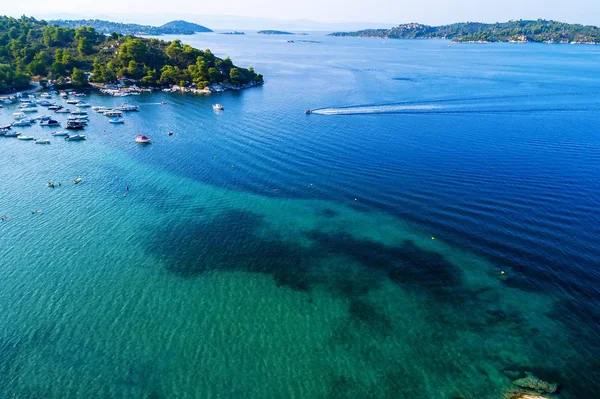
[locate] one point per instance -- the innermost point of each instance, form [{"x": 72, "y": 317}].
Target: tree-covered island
[
  {"x": 35, "y": 50},
  {"x": 540, "y": 31}
]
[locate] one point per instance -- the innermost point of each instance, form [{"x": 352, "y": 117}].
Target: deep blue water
[{"x": 262, "y": 252}]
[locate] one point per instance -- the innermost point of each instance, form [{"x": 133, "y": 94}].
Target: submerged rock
[
  {"x": 534, "y": 383},
  {"x": 524, "y": 395},
  {"x": 512, "y": 374}
]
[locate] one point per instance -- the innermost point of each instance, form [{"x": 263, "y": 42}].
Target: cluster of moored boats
[{"x": 77, "y": 119}]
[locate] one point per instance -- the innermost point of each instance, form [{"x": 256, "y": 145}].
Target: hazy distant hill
[
  {"x": 512, "y": 31},
  {"x": 170, "y": 28},
  {"x": 274, "y": 32}
]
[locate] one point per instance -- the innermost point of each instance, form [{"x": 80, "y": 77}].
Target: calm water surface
[{"x": 352, "y": 253}]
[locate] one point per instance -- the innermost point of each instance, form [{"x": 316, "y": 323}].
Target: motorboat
[
  {"x": 55, "y": 107},
  {"x": 128, "y": 108},
  {"x": 77, "y": 118},
  {"x": 78, "y": 180},
  {"x": 141, "y": 139},
  {"x": 308, "y": 112},
  {"x": 75, "y": 137},
  {"x": 45, "y": 95},
  {"x": 45, "y": 103},
  {"x": 116, "y": 120},
  {"x": 49, "y": 122},
  {"x": 25, "y": 138},
  {"x": 6, "y": 127},
  {"x": 61, "y": 133},
  {"x": 19, "y": 115},
  {"x": 74, "y": 125},
  {"x": 3, "y": 132},
  {"x": 218, "y": 107},
  {"x": 42, "y": 141},
  {"x": 82, "y": 104},
  {"x": 22, "y": 122},
  {"x": 72, "y": 102},
  {"x": 83, "y": 122},
  {"x": 113, "y": 113},
  {"x": 98, "y": 108},
  {"x": 41, "y": 118},
  {"x": 79, "y": 112},
  {"x": 11, "y": 134},
  {"x": 7, "y": 101},
  {"x": 79, "y": 95},
  {"x": 63, "y": 111},
  {"x": 25, "y": 106},
  {"x": 63, "y": 94}
]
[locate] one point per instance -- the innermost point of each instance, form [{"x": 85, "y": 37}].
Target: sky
[{"x": 328, "y": 13}]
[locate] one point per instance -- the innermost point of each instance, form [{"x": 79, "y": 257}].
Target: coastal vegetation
[
  {"x": 107, "y": 27},
  {"x": 33, "y": 49},
  {"x": 540, "y": 31}
]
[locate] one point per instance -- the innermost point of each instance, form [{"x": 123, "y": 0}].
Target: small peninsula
[
  {"x": 31, "y": 49},
  {"x": 540, "y": 31},
  {"x": 107, "y": 27},
  {"x": 274, "y": 32}
]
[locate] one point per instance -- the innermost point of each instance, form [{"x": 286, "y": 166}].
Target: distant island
[
  {"x": 107, "y": 27},
  {"x": 274, "y": 32},
  {"x": 232, "y": 33},
  {"x": 63, "y": 56},
  {"x": 540, "y": 31}
]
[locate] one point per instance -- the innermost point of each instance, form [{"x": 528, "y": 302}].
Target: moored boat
[
  {"x": 75, "y": 137},
  {"x": 61, "y": 133},
  {"x": 42, "y": 141},
  {"x": 74, "y": 125},
  {"x": 218, "y": 107},
  {"x": 49, "y": 122},
  {"x": 116, "y": 120},
  {"x": 141, "y": 139},
  {"x": 25, "y": 138}
]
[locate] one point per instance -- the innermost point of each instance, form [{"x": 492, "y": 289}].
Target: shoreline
[{"x": 115, "y": 90}]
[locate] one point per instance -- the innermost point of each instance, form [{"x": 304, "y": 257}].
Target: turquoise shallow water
[{"x": 262, "y": 253}]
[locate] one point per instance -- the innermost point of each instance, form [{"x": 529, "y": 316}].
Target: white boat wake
[{"x": 377, "y": 109}]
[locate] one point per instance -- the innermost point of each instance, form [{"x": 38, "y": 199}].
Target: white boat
[
  {"x": 77, "y": 118},
  {"x": 116, "y": 120},
  {"x": 7, "y": 101},
  {"x": 79, "y": 95},
  {"x": 26, "y": 106},
  {"x": 73, "y": 102},
  {"x": 113, "y": 113},
  {"x": 19, "y": 115},
  {"x": 11, "y": 134},
  {"x": 99, "y": 108},
  {"x": 61, "y": 133},
  {"x": 63, "y": 94},
  {"x": 55, "y": 107},
  {"x": 75, "y": 137},
  {"x": 128, "y": 108},
  {"x": 45, "y": 103},
  {"x": 49, "y": 122},
  {"x": 141, "y": 139},
  {"x": 63, "y": 111},
  {"x": 41, "y": 118},
  {"x": 218, "y": 107},
  {"x": 25, "y": 138},
  {"x": 82, "y": 104},
  {"x": 42, "y": 141},
  {"x": 22, "y": 122},
  {"x": 79, "y": 112}
]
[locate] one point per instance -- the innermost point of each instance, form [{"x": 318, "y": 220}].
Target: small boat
[
  {"x": 170, "y": 133},
  {"x": 74, "y": 125},
  {"x": 42, "y": 141},
  {"x": 11, "y": 134},
  {"x": 19, "y": 115},
  {"x": 7, "y": 101},
  {"x": 62, "y": 110},
  {"x": 41, "y": 118},
  {"x": 77, "y": 181},
  {"x": 3, "y": 132},
  {"x": 22, "y": 122},
  {"x": 113, "y": 113},
  {"x": 79, "y": 94},
  {"x": 141, "y": 139},
  {"x": 55, "y": 107},
  {"x": 45, "y": 103},
  {"x": 127, "y": 108},
  {"x": 72, "y": 102},
  {"x": 6, "y": 127},
  {"x": 61, "y": 133},
  {"x": 25, "y": 138},
  {"x": 82, "y": 104},
  {"x": 98, "y": 108},
  {"x": 45, "y": 95},
  {"x": 218, "y": 107},
  {"x": 77, "y": 117},
  {"x": 116, "y": 120},
  {"x": 63, "y": 94},
  {"x": 79, "y": 112},
  {"x": 308, "y": 112},
  {"x": 49, "y": 122},
  {"x": 75, "y": 137}
]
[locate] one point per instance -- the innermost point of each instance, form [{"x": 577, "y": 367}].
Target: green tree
[{"x": 78, "y": 77}]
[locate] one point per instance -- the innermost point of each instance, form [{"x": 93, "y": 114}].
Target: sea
[{"x": 430, "y": 230}]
